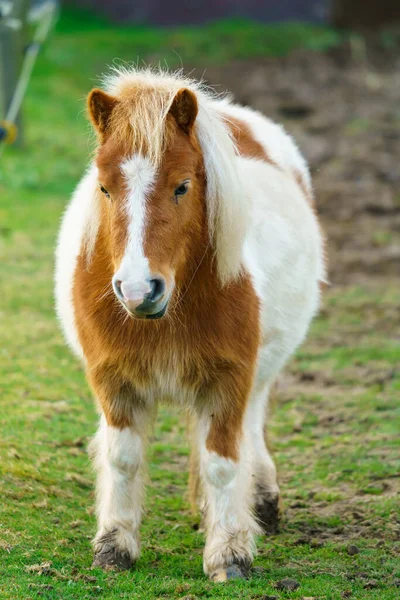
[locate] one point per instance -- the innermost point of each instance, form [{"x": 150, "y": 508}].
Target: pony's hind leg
[
  {"x": 266, "y": 496},
  {"x": 117, "y": 450}
]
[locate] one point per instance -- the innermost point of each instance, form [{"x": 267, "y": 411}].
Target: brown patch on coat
[
  {"x": 124, "y": 356},
  {"x": 226, "y": 424},
  {"x": 245, "y": 141}
]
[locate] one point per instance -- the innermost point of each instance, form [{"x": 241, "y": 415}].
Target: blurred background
[{"x": 329, "y": 70}]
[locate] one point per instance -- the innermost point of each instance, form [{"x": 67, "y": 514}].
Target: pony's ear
[
  {"x": 184, "y": 109},
  {"x": 100, "y": 106}
]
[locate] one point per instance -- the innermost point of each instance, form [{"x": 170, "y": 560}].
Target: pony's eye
[
  {"x": 103, "y": 189},
  {"x": 181, "y": 190}
]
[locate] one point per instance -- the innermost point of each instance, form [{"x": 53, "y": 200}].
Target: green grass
[
  {"x": 218, "y": 41},
  {"x": 335, "y": 434}
]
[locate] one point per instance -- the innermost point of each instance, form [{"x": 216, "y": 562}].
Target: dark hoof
[
  {"x": 231, "y": 572},
  {"x": 108, "y": 557},
  {"x": 268, "y": 513}
]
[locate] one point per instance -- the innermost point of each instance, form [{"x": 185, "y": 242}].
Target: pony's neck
[{"x": 194, "y": 291}]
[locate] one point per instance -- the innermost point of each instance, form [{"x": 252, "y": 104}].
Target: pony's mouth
[
  {"x": 158, "y": 315},
  {"x": 144, "y": 311}
]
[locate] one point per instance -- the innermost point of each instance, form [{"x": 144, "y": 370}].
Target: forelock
[{"x": 139, "y": 121}]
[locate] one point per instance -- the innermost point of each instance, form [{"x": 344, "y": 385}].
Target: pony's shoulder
[{"x": 259, "y": 137}]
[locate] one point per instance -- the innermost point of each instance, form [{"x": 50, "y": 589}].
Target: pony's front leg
[
  {"x": 117, "y": 450},
  {"x": 226, "y": 471}
]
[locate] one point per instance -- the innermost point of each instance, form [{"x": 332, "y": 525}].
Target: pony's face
[{"x": 154, "y": 217}]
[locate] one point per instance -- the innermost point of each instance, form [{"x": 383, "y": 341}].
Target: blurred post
[
  {"x": 365, "y": 14},
  {"x": 13, "y": 19}
]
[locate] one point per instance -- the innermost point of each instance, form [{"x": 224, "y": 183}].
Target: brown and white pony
[{"x": 188, "y": 270}]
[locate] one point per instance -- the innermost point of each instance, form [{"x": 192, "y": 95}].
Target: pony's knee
[
  {"x": 219, "y": 471},
  {"x": 121, "y": 449},
  {"x": 124, "y": 450}
]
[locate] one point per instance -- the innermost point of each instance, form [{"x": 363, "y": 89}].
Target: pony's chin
[
  {"x": 144, "y": 317},
  {"x": 160, "y": 314}
]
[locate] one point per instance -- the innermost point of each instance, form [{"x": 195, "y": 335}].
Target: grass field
[{"x": 334, "y": 428}]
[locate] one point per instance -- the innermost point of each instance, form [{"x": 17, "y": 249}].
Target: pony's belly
[{"x": 284, "y": 257}]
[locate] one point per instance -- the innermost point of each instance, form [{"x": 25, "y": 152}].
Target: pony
[{"x": 188, "y": 270}]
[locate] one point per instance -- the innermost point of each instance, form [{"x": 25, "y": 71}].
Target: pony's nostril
[
  {"x": 157, "y": 285},
  {"x": 117, "y": 288}
]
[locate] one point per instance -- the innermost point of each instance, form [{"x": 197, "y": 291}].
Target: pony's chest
[
  {"x": 170, "y": 378},
  {"x": 170, "y": 386}
]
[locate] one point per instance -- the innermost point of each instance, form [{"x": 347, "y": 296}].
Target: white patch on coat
[
  {"x": 78, "y": 231},
  {"x": 139, "y": 176},
  {"x": 255, "y": 420},
  {"x": 219, "y": 471},
  {"x": 283, "y": 255}
]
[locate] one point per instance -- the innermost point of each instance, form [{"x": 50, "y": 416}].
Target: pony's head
[{"x": 154, "y": 183}]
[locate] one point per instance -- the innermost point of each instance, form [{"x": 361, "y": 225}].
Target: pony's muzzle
[{"x": 144, "y": 299}]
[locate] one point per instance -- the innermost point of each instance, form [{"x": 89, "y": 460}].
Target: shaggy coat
[{"x": 188, "y": 270}]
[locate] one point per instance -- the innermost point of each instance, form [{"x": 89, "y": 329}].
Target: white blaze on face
[{"x": 139, "y": 175}]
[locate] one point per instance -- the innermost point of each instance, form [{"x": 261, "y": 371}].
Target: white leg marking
[
  {"x": 230, "y": 525},
  {"x": 118, "y": 456}
]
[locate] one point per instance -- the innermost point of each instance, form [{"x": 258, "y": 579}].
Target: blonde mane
[{"x": 139, "y": 121}]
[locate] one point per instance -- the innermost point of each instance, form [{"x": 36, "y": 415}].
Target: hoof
[
  {"x": 109, "y": 557},
  {"x": 231, "y": 572},
  {"x": 268, "y": 513}
]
